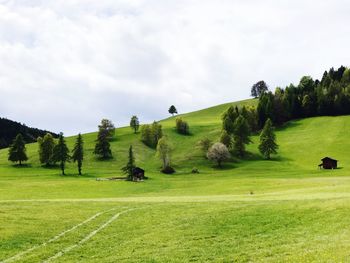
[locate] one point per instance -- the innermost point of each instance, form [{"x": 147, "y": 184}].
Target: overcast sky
[{"x": 65, "y": 64}]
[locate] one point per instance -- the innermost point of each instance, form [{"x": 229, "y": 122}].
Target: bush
[
  {"x": 168, "y": 170},
  {"x": 195, "y": 170},
  {"x": 182, "y": 127},
  {"x": 150, "y": 134},
  {"x": 204, "y": 145}
]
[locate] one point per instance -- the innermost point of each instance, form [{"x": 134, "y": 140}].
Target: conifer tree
[
  {"x": 17, "y": 151},
  {"x": 134, "y": 123},
  {"x": 61, "y": 153},
  {"x": 103, "y": 147},
  {"x": 129, "y": 167},
  {"x": 226, "y": 139},
  {"x": 78, "y": 152},
  {"x": 268, "y": 143},
  {"x": 241, "y": 135}
]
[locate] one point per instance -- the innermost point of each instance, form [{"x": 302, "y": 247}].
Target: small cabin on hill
[
  {"x": 328, "y": 163},
  {"x": 138, "y": 174}
]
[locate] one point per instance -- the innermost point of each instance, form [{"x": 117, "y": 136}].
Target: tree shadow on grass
[
  {"x": 23, "y": 165},
  {"x": 288, "y": 125}
]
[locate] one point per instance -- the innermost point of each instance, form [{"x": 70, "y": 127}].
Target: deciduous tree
[
  {"x": 172, "y": 110},
  {"x": 134, "y": 123},
  {"x": 46, "y": 146},
  {"x": 218, "y": 153}
]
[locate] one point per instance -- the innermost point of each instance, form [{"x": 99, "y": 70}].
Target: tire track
[
  {"x": 88, "y": 237},
  {"x": 25, "y": 252}
]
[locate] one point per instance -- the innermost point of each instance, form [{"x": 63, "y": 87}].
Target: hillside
[
  {"x": 9, "y": 129},
  {"x": 252, "y": 210}
]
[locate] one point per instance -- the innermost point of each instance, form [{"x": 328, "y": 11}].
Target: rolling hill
[
  {"x": 9, "y": 129},
  {"x": 252, "y": 210}
]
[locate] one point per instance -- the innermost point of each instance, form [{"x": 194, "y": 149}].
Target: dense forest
[
  {"x": 329, "y": 96},
  {"x": 9, "y": 130}
]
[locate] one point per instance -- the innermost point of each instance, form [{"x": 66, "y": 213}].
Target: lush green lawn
[{"x": 283, "y": 210}]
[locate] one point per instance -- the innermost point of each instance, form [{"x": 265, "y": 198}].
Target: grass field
[{"x": 253, "y": 210}]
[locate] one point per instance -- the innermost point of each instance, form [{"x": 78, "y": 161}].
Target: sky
[{"x": 66, "y": 64}]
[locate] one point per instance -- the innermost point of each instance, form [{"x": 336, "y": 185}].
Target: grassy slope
[{"x": 297, "y": 212}]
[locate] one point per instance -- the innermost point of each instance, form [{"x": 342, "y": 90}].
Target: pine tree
[
  {"x": 61, "y": 153},
  {"x": 17, "y": 151},
  {"x": 78, "y": 152},
  {"x": 172, "y": 110},
  {"x": 268, "y": 143},
  {"x": 103, "y": 147},
  {"x": 46, "y": 146},
  {"x": 226, "y": 139},
  {"x": 134, "y": 123},
  {"x": 129, "y": 167},
  {"x": 241, "y": 135}
]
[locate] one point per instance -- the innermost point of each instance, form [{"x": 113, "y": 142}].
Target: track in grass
[
  {"x": 58, "y": 236},
  {"x": 88, "y": 237}
]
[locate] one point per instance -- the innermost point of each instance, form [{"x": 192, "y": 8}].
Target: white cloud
[{"x": 66, "y": 64}]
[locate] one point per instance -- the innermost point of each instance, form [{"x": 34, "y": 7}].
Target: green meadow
[{"x": 251, "y": 210}]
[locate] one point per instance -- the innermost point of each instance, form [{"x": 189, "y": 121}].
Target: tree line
[
  {"x": 329, "y": 96},
  {"x": 10, "y": 129}
]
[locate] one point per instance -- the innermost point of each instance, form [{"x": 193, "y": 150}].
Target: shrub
[
  {"x": 195, "y": 170},
  {"x": 150, "y": 134},
  {"x": 168, "y": 170},
  {"x": 204, "y": 145},
  {"x": 182, "y": 127}
]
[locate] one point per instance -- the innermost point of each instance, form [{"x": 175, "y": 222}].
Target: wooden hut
[
  {"x": 328, "y": 163},
  {"x": 138, "y": 174}
]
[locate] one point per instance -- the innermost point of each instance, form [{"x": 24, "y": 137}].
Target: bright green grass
[{"x": 283, "y": 210}]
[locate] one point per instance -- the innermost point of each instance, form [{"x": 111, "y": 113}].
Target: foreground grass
[{"x": 265, "y": 231}]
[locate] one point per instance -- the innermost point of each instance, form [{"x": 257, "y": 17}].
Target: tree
[
  {"x": 134, "y": 123},
  {"x": 204, "y": 145},
  {"x": 172, "y": 110},
  {"x": 218, "y": 153},
  {"x": 226, "y": 139},
  {"x": 182, "y": 127},
  {"x": 268, "y": 143},
  {"x": 129, "y": 167},
  {"x": 17, "y": 151},
  {"x": 107, "y": 126},
  {"x": 241, "y": 135},
  {"x": 103, "y": 147},
  {"x": 61, "y": 153},
  {"x": 228, "y": 119},
  {"x": 259, "y": 89},
  {"x": 78, "y": 152},
  {"x": 46, "y": 146},
  {"x": 164, "y": 153},
  {"x": 150, "y": 134}
]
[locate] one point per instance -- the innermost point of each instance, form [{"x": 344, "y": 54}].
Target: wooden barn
[
  {"x": 138, "y": 174},
  {"x": 328, "y": 163}
]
